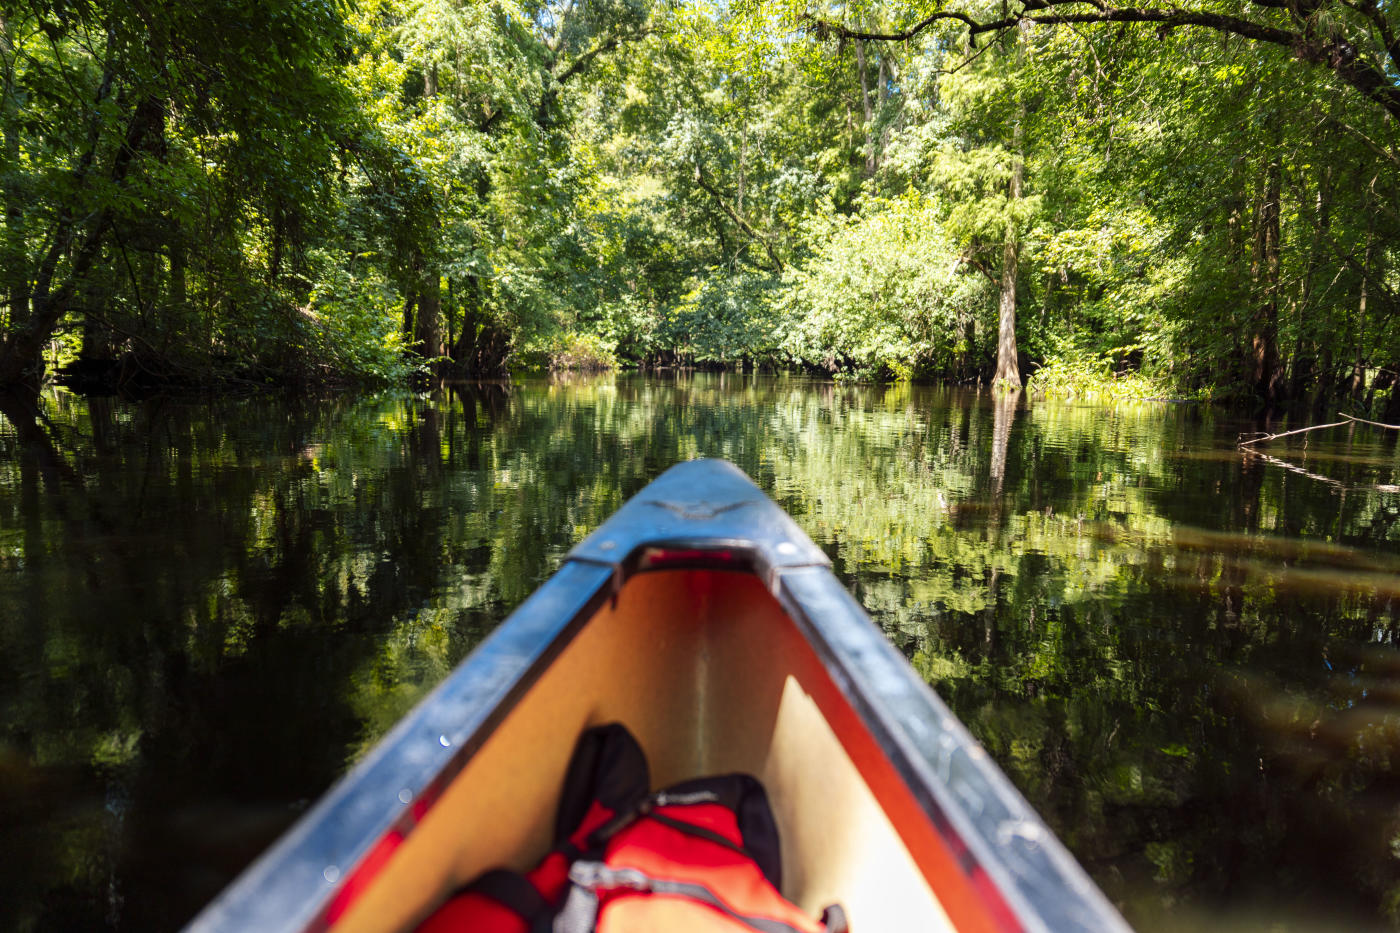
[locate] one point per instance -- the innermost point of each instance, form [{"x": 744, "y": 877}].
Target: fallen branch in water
[
  {"x": 1274, "y": 437},
  {"x": 1379, "y": 424},
  {"x": 1294, "y": 468},
  {"x": 1336, "y": 483},
  {"x": 1350, "y": 419}
]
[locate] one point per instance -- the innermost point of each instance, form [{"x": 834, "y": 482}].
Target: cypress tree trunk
[
  {"x": 1264, "y": 370},
  {"x": 1008, "y": 365},
  {"x": 1303, "y": 365},
  {"x": 427, "y": 331},
  {"x": 481, "y": 348}
]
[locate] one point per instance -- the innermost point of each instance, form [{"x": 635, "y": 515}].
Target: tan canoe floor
[{"x": 711, "y": 675}]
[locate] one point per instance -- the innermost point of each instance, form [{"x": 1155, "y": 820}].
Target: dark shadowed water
[{"x": 1185, "y": 657}]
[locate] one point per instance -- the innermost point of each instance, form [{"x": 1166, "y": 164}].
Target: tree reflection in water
[{"x": 1185, "y": 658}]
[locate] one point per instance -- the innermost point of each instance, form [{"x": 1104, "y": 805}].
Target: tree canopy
[{"x": 1152, "y": 200}]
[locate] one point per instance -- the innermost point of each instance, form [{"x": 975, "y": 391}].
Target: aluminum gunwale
[
  {"x": 712, "y": 515},
  {"x": 959, "y": 787}
]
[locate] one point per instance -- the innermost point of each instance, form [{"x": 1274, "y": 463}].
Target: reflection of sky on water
[{"x": 1185, "y": 657}]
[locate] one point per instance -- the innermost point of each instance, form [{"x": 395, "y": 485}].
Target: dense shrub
[
  {"x": 884, "y": 295},
  {"x": 727, "y": 317},
  {"x": 581, "y": 353}
]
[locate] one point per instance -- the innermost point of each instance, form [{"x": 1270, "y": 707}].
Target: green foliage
[
  {"x": 353, "y": 333},
  {"x": 166, "y": 171},
  {"x": 1072, "y": 370},
  {"x": 579, "y": 353},
  {"x": 882, "y": 295},
  {"x": 725, "y": 319},
  {"x": 703, "y": 183}
]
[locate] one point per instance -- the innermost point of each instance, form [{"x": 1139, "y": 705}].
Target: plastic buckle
[{"x": 596, "y": 875}]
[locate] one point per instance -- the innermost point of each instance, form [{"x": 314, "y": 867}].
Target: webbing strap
[
  {"x": 600, "y": 836},
  {"x": 513, "y": 891},
  {"x": 580, "y": 911},
  {"x": 700, "y": 832}
]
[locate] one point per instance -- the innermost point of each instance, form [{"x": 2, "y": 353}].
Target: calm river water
[{"x": 1185, "y": 657}]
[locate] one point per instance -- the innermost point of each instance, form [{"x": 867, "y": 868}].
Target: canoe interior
[{"x": 712, "y": 676}]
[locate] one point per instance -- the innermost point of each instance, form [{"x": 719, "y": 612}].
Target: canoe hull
[{"x": 702, "y": 618}]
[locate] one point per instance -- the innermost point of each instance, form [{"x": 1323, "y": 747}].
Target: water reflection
[{"x": 1185, "y": 657}]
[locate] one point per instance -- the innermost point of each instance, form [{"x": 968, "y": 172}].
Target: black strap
[
  {"x": 580, "y": 911},
  {"x": 745, "y": 797},
  {"x": 700, "y": 832},
  {"x": 511, "y": 890},
  {"x": 625, "y": 818}
]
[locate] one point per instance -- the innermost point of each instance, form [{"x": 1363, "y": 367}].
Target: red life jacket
[{"x": 701, "y": 856}]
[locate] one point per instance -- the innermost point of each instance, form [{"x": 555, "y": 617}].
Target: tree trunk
[
  {"x": 1303, "y": 365},
  {"x": 1008, "y": 363},
  {"x": 1358, "y": 366},
  {"x": 427, "y": 328},
  {"x": 1264, "y": 372},
  {"x": 481, "y": 349}
]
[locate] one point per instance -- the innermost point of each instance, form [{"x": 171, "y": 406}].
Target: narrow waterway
[{"x": 1185, "y": 657}]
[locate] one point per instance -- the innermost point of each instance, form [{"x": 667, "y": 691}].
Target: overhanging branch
[
  {"x": 1328, "y": 49},
  {"x": 739, "y": 221},
  {"x": 580, "y": 65}
]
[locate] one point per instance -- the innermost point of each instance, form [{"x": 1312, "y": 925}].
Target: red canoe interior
[{"x": 712, "y": 676}]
